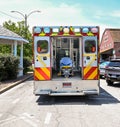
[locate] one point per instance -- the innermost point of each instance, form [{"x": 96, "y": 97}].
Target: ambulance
[{"x": 66, "y": 60}]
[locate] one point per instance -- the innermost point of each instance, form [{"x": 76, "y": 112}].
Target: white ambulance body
[{"x": 78, "y": 45}]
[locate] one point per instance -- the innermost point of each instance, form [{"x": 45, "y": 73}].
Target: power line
[{"x": 9, "y": 15}]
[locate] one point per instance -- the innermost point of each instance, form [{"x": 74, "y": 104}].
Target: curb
[{"x": 15, "y": 84}]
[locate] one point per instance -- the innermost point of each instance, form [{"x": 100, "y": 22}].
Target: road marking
[
  {"x": 28, "y": 115},
  {"x": 47, "y": 118},
  {"x": 15, "y": 101},
  {"x": 1, "y": 115},
  {"x": 25, "y": 117},
  {"x": 28, "y": 121},
  {"x": 7, "y": 120}
]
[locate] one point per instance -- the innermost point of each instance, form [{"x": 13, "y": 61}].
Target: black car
[{"x": 112, "y": 72}]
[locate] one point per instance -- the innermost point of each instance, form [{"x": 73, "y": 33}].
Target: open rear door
[
  {"x": 42, "y": 69},
  {"x": 90, "y": 58}
]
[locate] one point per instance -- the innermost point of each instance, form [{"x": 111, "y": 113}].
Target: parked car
[
  {"x": 112, "y": 73},
  {"x": 102, "y": 68}
]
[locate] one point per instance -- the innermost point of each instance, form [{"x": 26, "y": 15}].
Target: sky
[{"x": 102, "y": 13}]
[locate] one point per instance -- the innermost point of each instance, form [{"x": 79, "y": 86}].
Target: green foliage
[
  {"x": 8, "y": 67},
  {"x": 26, "y": 64},
  {"x": 11, "y": 26},
  {"x": 8, "y": 63},
  {"x": 4, "y": 48},
  {"x": 19, "y": 28}
]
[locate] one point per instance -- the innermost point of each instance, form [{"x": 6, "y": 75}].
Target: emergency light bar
[
  {"x": 60, "y": 30},
  {"x": 76, "y": 30},
  {"x": 55, "y": 30}
]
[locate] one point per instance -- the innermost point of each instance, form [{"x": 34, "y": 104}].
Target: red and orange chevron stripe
[
  {"x": 42, "y": 73},
  {"x": 90, "y": 73}
]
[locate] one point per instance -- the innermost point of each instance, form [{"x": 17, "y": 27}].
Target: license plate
[{"x": 67, "y": 85}]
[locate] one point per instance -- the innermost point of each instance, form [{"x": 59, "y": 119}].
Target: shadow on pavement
[
  {"x": 103, "y": 98},
  {"x": 116, "y": 84}
]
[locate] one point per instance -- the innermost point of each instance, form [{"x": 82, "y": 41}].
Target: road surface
[{"x": 20, "y": 108}]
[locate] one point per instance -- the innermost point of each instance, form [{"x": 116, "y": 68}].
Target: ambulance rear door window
[
  {"x": 90, "y": 46},
  {"x": 42, "y": 46}
]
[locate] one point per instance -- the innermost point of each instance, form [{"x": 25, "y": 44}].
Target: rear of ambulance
[{"x": 51, "y": 45}]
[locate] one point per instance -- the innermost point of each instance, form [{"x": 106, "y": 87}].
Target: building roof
[
  {"x": 109, "y": 37},
  {"x": 115, "y": 33},
  {"x": 9, "y": 36}
]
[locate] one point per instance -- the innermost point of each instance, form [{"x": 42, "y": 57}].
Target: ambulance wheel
[{"x": 109, "y": 82}]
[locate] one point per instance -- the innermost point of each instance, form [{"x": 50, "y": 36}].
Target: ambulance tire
[{"x": 109, "y": 82}]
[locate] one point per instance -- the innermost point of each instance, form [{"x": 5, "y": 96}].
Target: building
[
  {"x": 110, "y": 44},
  {"x": 10, "y": 38}
]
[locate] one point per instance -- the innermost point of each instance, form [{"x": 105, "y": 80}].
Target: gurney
[{"x": 66, "y": 67}]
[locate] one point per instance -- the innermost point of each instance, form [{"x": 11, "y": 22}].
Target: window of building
[
  {"x": 90, "y": 46},
  {"x": 42, "y": 46}
]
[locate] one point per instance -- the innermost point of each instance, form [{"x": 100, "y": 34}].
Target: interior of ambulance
[{"x": 66, "y": 56}]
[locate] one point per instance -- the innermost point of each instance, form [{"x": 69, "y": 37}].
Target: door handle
[
  {"x": 88, "y": 57},
  {"x": 44, "y": 58}
]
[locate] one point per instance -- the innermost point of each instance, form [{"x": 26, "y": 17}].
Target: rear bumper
[
  {"x": 113, "y": 79},
  {"x": 55, "y": 88}
]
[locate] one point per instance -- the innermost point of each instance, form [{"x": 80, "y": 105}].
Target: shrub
[
  {"x": 26, "y": 64},
  {"x": 8, "y": 67},
  {"x": 3, "y": 74}
]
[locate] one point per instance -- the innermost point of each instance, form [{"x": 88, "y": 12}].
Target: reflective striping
[
  {"x": 66, "y": 34},
  {"x": 97, "y": 76},
  {"x": 91, "y": 61},
  {"x": 46, "y": 71},
  {"x": 54, "y": 34},
  {"x": 47, "y": 55},
  {"x": 42, "y": 34},
  {"x": 42, "y": 73},
  {"x": 38, "y": 75},
  {"x": 78, "y": 34},
  {"x": 89, "y": 54},
  {"x": 86, "y": 69},
  {"x": 90, "y": 34},
  {"x": 90, "y": 73},
  {"x": 35, "y": 78},
  {"x": 41, "y": 61},
  {"x": 93, "y": 75}
]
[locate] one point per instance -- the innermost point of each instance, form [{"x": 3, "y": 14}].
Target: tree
[
  {"x": 4, "y": 48},
  {"x": 20, "y": 29}
]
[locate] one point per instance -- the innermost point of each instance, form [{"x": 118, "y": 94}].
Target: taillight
[
  {"x": 105, "y": 75},
  {"x": 106, "y": 67}
]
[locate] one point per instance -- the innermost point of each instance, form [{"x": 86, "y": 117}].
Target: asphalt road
[{"x": 20, "y": 108}]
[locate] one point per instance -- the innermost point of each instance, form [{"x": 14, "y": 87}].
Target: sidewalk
[{"x": 6, "y": 85}]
